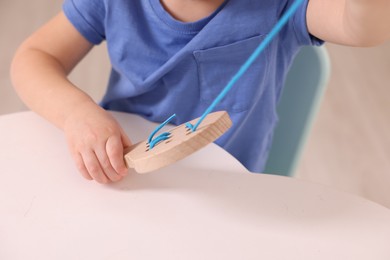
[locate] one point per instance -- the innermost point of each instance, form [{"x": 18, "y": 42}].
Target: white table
[{"x": 204, "y": 207}]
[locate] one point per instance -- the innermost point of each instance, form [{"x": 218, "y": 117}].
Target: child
[{"x": 175, "y": 56}]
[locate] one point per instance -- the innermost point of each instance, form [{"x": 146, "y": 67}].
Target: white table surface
[{"x": 207, "y": 206}]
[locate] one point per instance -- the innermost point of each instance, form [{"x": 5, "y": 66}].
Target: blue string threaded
[{"x": 164, "y": 136}]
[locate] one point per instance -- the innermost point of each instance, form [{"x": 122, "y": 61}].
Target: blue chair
[{"x": 299, "y": 103}]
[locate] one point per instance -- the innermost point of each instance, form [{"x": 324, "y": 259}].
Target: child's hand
[{"x": 96, "y": 142}]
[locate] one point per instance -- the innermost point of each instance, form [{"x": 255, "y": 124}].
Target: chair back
[{"x": 299, "y": 103}]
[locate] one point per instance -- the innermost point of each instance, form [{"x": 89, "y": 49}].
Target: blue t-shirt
[{"x": 162, "y": 66}]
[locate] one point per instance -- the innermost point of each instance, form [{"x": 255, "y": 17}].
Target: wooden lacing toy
[
  {"x": 181, "y": 142},
  {"x": 187, "y": 138}
]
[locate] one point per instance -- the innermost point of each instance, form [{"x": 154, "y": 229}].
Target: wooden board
[{"x": 181, "y": 143}]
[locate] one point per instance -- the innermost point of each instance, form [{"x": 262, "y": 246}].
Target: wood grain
[{"x": 182, "y": 142}]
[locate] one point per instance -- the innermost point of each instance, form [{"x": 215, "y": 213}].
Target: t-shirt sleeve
[
  {"x": 299, "y": 25},
  {"x": 88, "y": 17}
]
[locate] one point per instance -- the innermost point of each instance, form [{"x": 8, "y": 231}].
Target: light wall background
[{"x": 349, "y": 147}]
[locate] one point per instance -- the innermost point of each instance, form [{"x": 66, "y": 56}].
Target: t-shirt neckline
[{"x": 186, "y": 27}]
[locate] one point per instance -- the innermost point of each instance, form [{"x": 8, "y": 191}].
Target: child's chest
[{"x": 154, "y": 54}]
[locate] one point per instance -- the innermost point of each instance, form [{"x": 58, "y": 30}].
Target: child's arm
[
  {"x": 350, "y": 22},
  {"x": 39, "y": 74}
]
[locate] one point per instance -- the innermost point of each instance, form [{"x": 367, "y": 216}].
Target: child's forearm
[
  {"x": 39, "y": 74},
  {"x": 41, "y": 81},
  {"x": 95, "y": 139},
  {"x": 350, "y": 22},
  {"x": 368, "y": 20}
]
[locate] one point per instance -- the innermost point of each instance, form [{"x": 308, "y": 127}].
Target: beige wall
[
  {"x": 349, "y": 147},
  {"x": 18, "y": 19}
]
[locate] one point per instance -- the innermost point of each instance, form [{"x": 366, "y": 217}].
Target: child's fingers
[
  {"x": 114, "y": 148},
  {"x": 126, "y": 142},
  {"x": 81, "y": 166},
  {"x": 105, "y": 164},
  {"x": 93, "y": 167}
]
